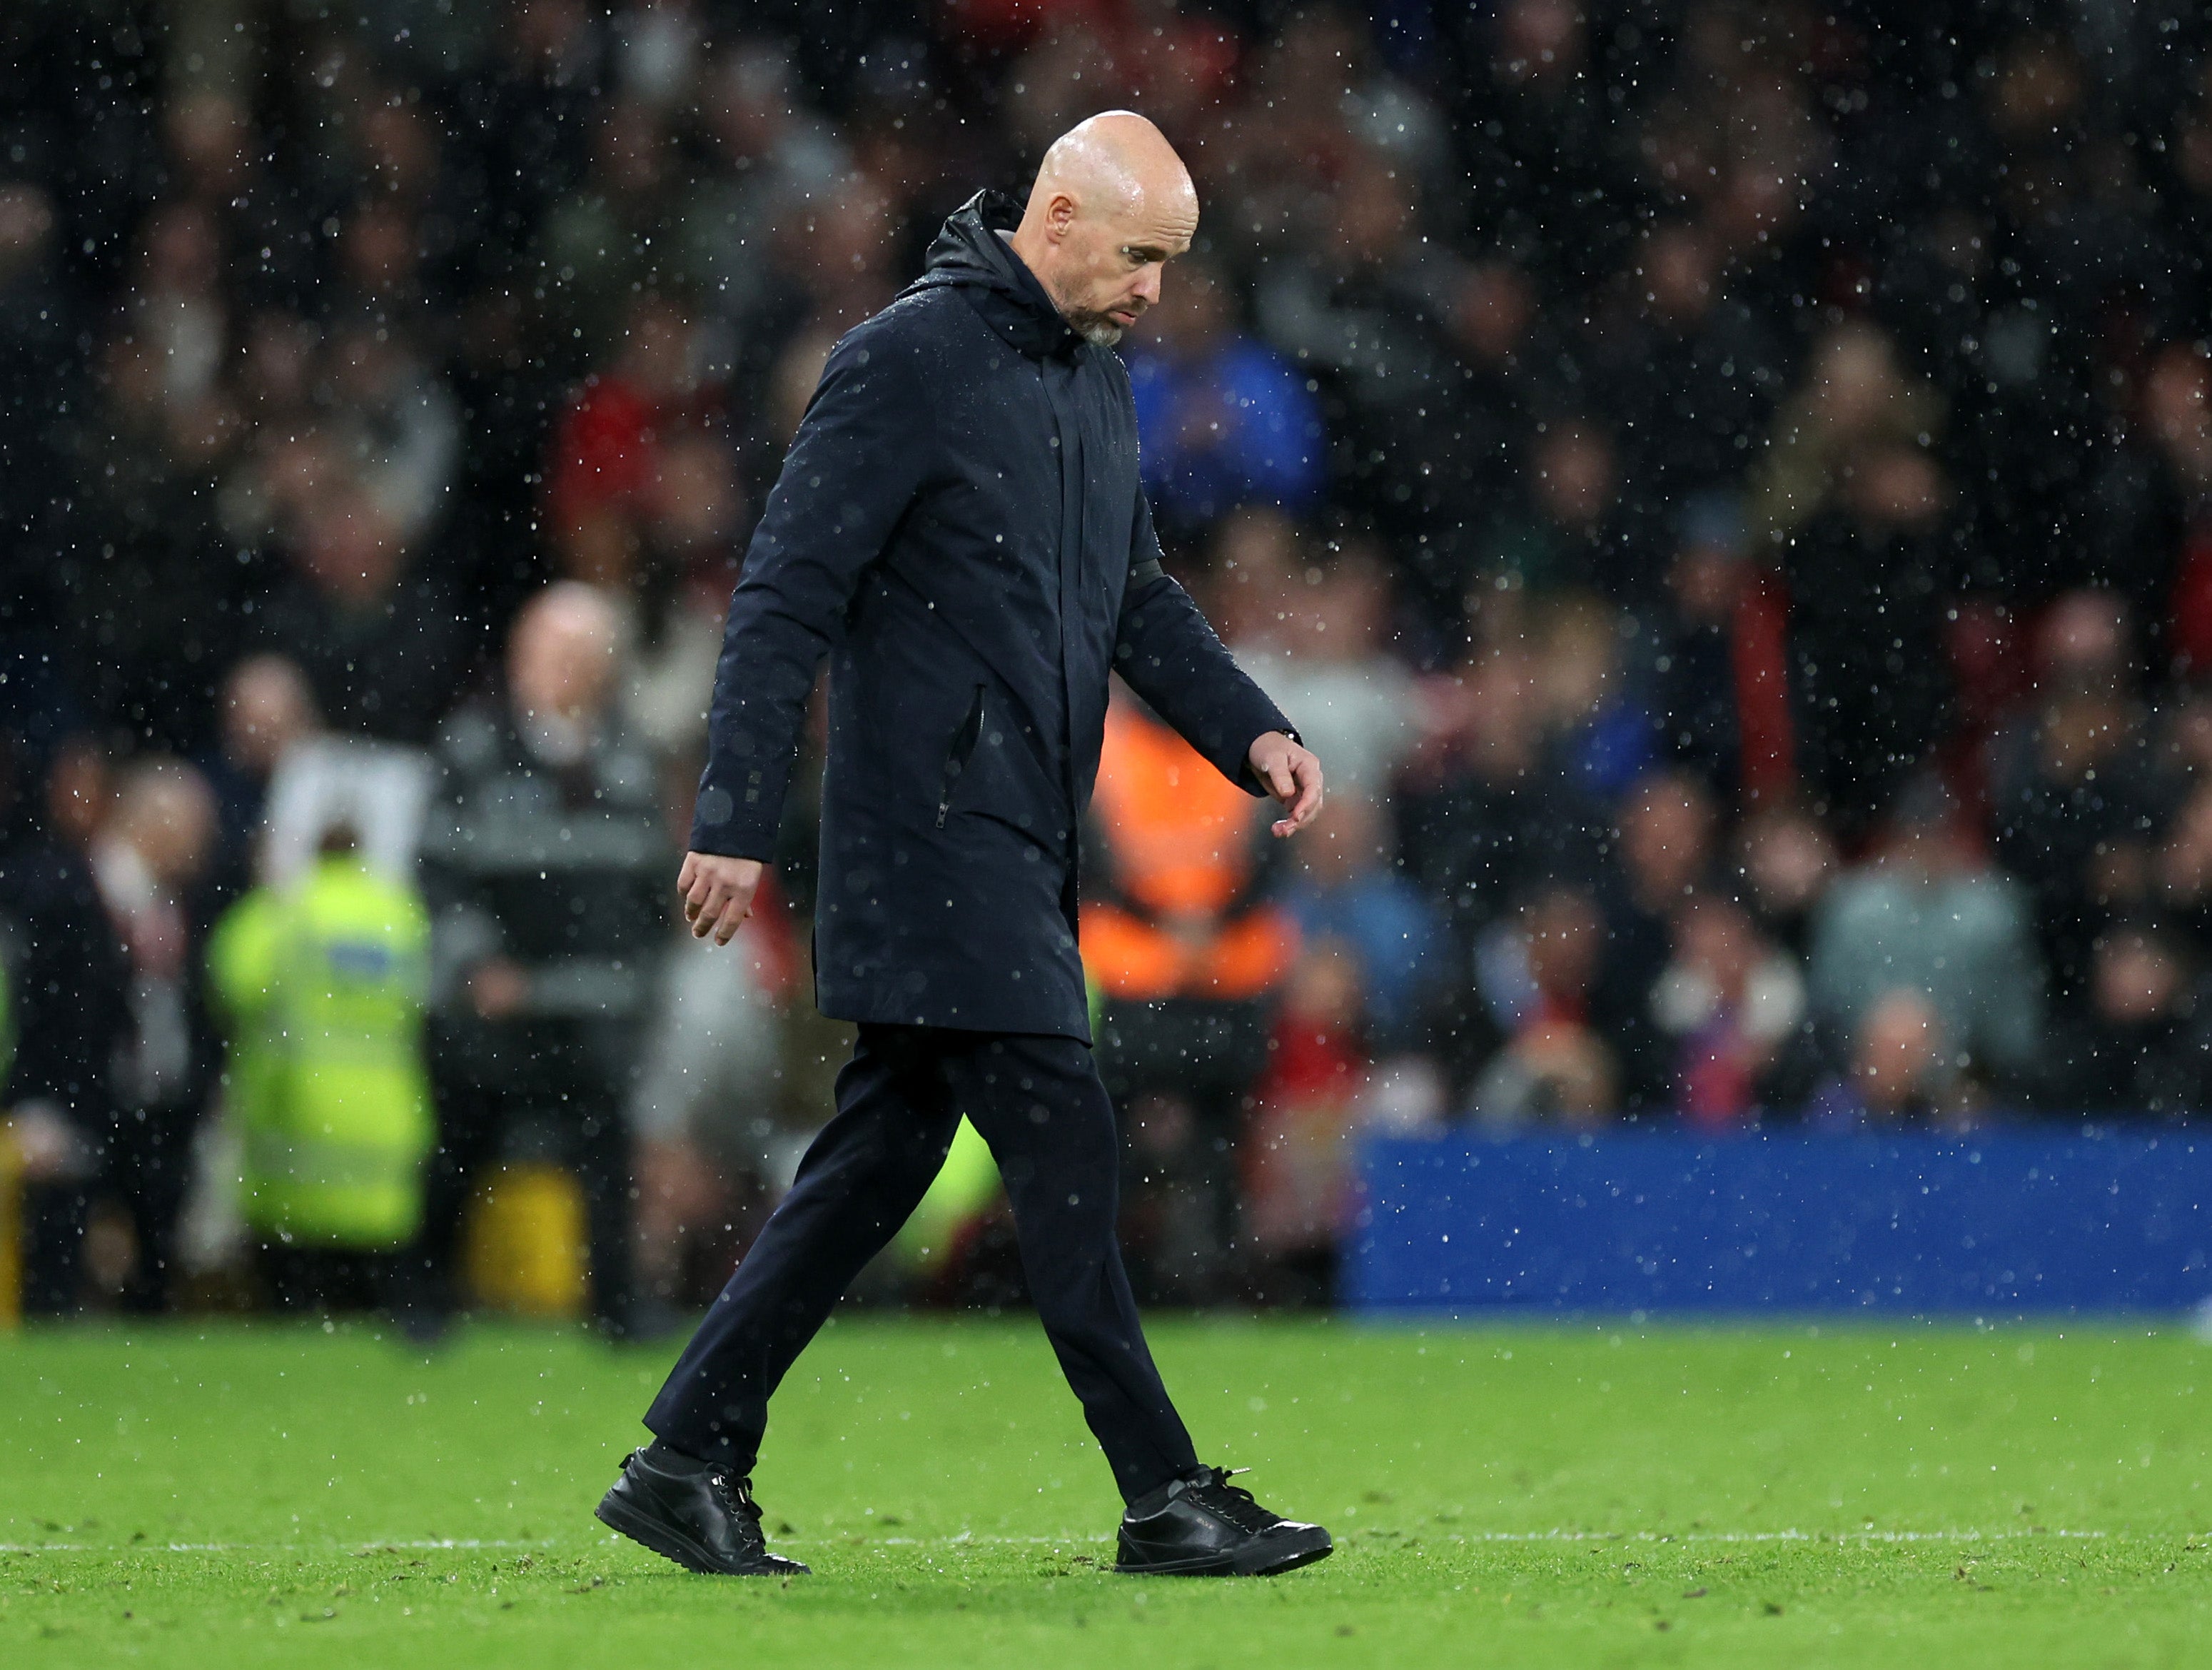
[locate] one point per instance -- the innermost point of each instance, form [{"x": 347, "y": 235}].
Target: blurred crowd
[{"x": 1726, "y": 489}]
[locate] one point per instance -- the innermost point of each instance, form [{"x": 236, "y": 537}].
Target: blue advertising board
[{"x": 1623, "y": 1222}]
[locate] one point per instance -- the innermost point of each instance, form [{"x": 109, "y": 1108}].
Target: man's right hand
[{"x": 718, "y": 893}]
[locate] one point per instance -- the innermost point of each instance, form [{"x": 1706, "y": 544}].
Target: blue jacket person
[{"x": 959, "y": 528}]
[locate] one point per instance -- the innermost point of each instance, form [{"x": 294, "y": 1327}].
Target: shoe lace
[
  {"x": 737, "y": 1495},
  {"x": 1233, "y": 1502}
]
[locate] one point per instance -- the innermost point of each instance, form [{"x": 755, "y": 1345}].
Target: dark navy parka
[{"x": 960, "y": 527}]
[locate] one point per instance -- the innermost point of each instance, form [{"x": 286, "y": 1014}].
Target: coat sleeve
[
  {"x": 1168, "y": 655},
  {"x": 858, "y": 459}
]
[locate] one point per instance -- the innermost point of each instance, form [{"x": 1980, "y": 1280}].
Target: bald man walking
[{"x": 959, "y": 528}]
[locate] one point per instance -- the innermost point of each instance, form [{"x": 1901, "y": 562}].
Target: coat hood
[{"x": 971, "y": 256}]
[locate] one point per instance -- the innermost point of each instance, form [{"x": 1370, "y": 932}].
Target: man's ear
[{"x": 1060, "y": 214}]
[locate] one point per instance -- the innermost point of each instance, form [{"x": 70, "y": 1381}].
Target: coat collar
[{"x": 971, "y": 255}]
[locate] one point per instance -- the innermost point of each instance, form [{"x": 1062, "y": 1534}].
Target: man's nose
[{"x": 1148, "y": 286}]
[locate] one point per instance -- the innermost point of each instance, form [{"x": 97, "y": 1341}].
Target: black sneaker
[
  {"x": 1205, "y": 1527},
  {"x": 695, "y": 1514}
]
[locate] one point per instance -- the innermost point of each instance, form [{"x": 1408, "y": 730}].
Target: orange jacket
[{"x": 1179, "y": 840}]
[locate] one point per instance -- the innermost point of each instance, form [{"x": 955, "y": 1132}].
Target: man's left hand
[{"x": 1292, "y": 776}]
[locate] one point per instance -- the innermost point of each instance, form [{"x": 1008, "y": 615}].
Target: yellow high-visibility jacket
[{"x": 321, "y": 989}]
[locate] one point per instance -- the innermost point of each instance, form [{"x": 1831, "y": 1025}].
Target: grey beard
[{"x": 1096, "y": 329}]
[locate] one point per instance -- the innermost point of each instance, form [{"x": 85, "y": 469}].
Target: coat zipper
[{"x": 962, "y": 750}]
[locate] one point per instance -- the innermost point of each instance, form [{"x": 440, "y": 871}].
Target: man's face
[
  {"x": 2135, "y": 980},
  {"x": 561, "y": 663},
  {"x": 1107, "y": 261}
]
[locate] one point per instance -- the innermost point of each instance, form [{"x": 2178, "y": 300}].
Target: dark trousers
[
  {"x": 53, "y": 1248},
  {"x": 143, "y": 1159},
  {"x": 1202, "y": 1059},
  {"x": 1039, "y": 1104},
  {"x": 486, "y": 1077},
  {"x": 147, "y": 1169}
]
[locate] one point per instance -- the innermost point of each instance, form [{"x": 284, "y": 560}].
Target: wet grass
[{"x": 238, "y": 1496}]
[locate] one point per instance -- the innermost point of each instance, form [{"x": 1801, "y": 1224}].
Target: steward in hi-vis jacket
[{"x": 321, "y": 987}]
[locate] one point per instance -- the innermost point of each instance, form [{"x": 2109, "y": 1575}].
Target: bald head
[
  {"x": 1112, "y": 206},
  {"x": 561, "y": 657},
  {"x": 165, "y": 811},
  {"x": 1116, "y": 160}
]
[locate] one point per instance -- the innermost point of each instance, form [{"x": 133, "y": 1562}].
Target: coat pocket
[{"x": 962, "y": 750}]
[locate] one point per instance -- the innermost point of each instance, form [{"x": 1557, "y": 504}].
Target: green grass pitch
[{"x": 1599, "y": 1495}]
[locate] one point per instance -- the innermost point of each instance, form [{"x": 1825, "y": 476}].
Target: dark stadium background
[{"x": 1726, "y": 489}]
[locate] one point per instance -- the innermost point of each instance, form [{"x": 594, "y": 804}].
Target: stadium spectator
[
  {"x": 603, "y": 479},
  {"x": 2182, "y": 872},
  {"x": 321, "y": 987},
  {"x": 547, "y": 871},
  {"x": 1925, "y": 916},
  {"x": 1486, "y": 815},
  {"x": 1897, "y": 1075},
  {"x": 1359, "y": 318},
  {"x": 148, "y": 859},
  {"x": 181, "y": 314},
  {"x": 372, "y": 618},
  {"x": 1867, "y": 573},
  {"x": 1485, "y": 820},
  {"x": 2152, "y": 543},
  {"x": 1530, "y": 129},
  {"x": 825, "y": 267},
  {"x": 1666, "y": 829},
  {"x": 1537, "y": 977},
  {"x": 764, "y": 150},
  {"x": 1787, "y": 861},
  {"x": 611, "y": 237},
  {"x": 266, "y": 708},
  {"x": 1375, "y": 921},
  {"x": 1510, "y": 358},
  {"x": 712, "y": 1146},
  {"x": 148, "y": 596},
  {"x": 2141, "y": 1044},
  {"x": 392, "y": 424},
  {"x": 1323, "y": 645},
  {"x": 1730, "y": 1004},
  {"x": 38, "y": 311},
  {"x": 1185, "y": 944},
  {"x": 1714, "y": 667},
  {"x": 1595, "y": 724},
  {"x": 1566, "y": 531},
  {"x": 1253, "y": 562},
  {"x": 1693, "y": 369},
  {"x": 2075, "y": 800},
  {"x": 1854, "y": 400},
  {"x": 1296, "y": 1159},
  {"x": 69, "y": 993},
  {"x": 1223, "y": 420},
  {"x": 676, "y": 601},
  {"x": 522, "y": 122}
]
